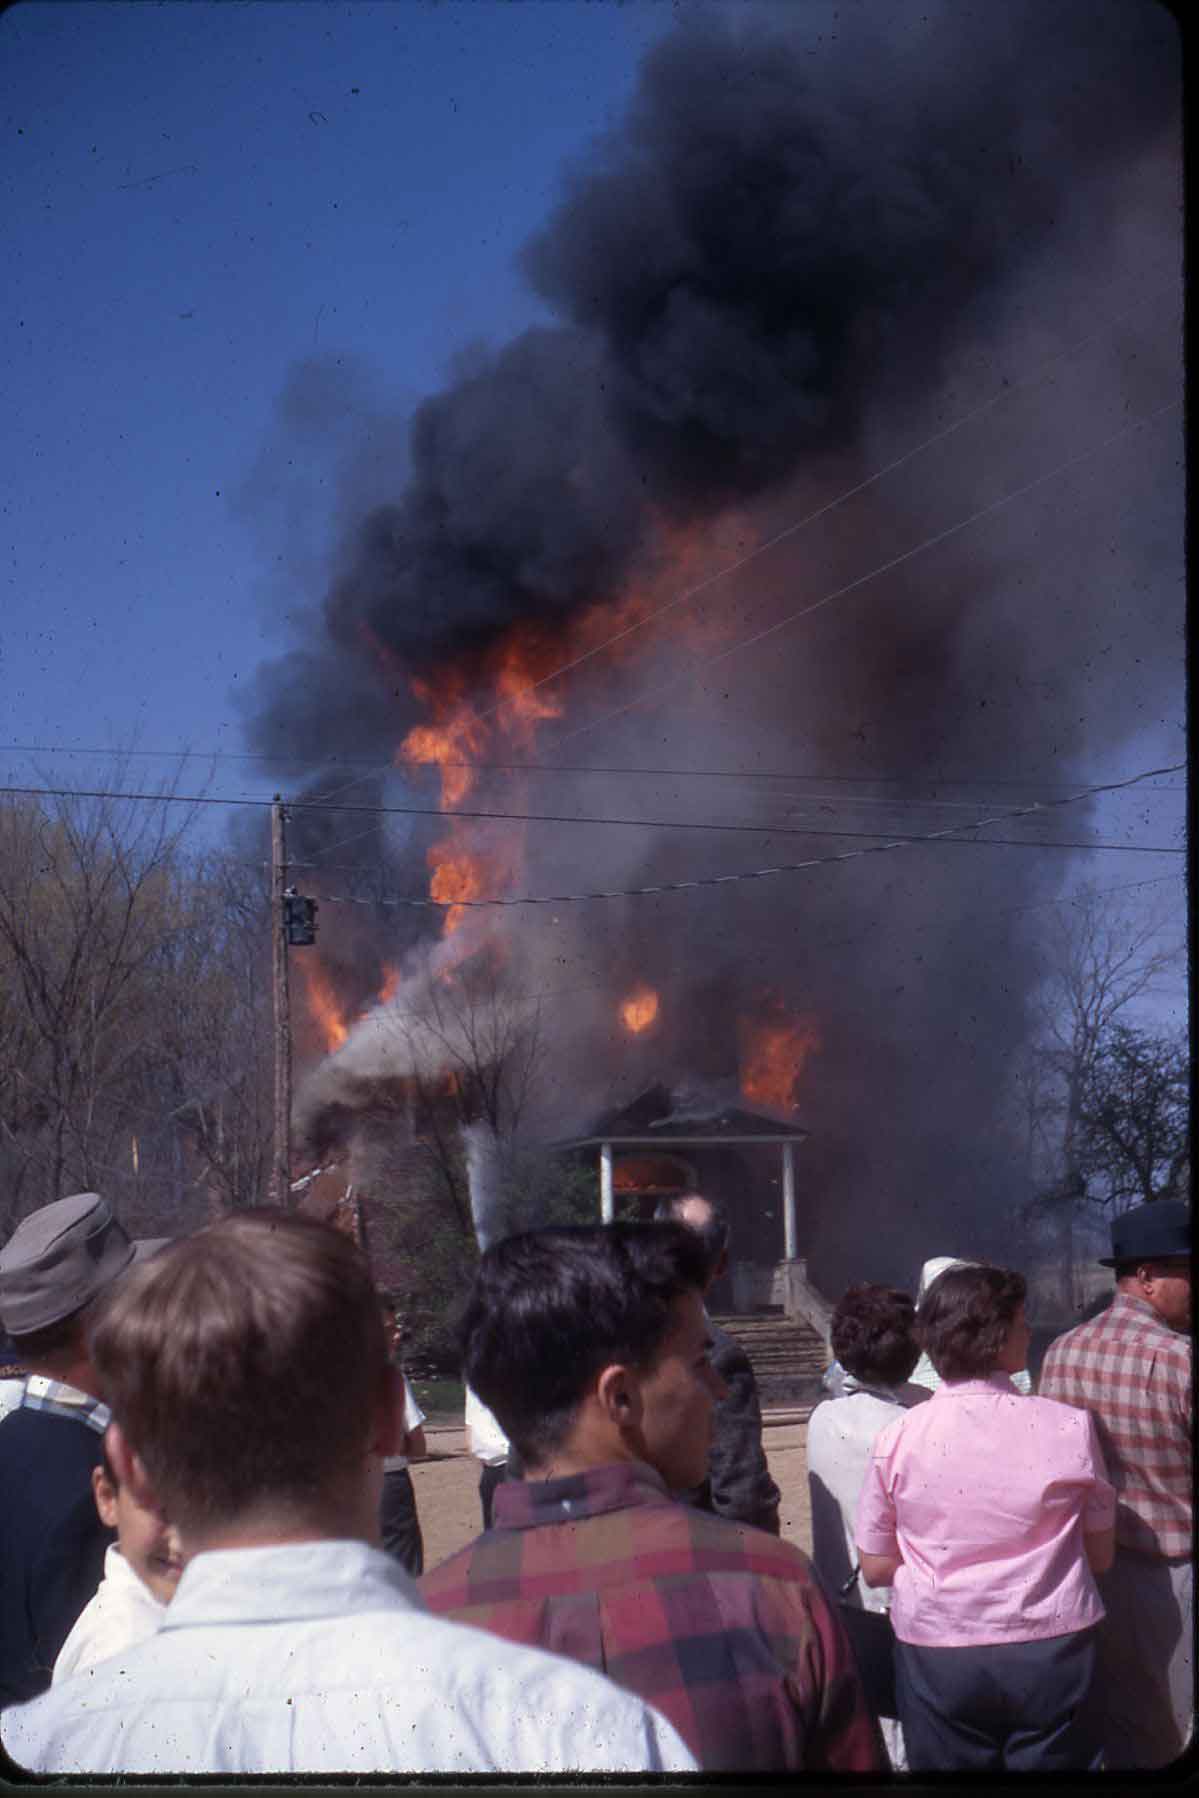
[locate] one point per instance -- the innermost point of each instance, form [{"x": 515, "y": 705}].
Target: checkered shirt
[
  {"x": 1132, "y": 1372},
  {"x": 720, "y": 1627},
  {"x": 61, "y": 1400}
]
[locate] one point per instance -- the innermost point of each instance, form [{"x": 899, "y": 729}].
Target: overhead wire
[
  {"x": 568, "y": 768},
  {"x": 483, "y": 815},
  {"x": 700, "y": 663},
  {"x": 849, "y": 942},
  {"x": 712, "y": 880},
  {"x": 481, "y": 715}
]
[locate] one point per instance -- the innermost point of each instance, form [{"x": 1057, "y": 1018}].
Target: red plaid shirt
[
  {"x": 1132, "y": 1372},
  {"x": 721, "y": 1627}
]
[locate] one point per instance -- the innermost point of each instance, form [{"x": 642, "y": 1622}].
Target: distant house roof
[{"x": 660, "y": 1115}]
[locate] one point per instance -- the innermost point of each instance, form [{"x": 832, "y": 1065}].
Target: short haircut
[
  {"x": 1157, "y": 1264},
  {"x": 107, "y": 1467},
  {"x": 965, "y": 1316},
  {"x": 874, "y": 1334},
  {"x": 713, "y": 1232},
  {"x": 244, "y": 1363},
  {"x": 549, "y": 1310}
]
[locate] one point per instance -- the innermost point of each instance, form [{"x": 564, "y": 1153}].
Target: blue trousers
[{"x": 1016, "y": 1706}]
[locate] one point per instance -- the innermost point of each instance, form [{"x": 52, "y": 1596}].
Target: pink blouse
[{"x": 987, "y": 1495}]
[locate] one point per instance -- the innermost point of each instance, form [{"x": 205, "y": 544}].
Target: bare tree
[
  {"x": 475, "y": 1046},
  {"x": 1133, "y": 1138},
  {"x": 132, "y": 1011},
  {"x": 1100, "y": 959},
  {"x": 215, "y": 1071},
  {"x": 86, "y": 901}
]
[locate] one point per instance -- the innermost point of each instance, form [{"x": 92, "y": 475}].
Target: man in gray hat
[
  {"x": 1130, "y": 1367},
  {"x": 52, "y": 1543}
]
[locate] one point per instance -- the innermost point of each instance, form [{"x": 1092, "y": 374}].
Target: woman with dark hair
[
  {"x": 873, "y": 1338},
  {"x": 990, "y": 1513}
]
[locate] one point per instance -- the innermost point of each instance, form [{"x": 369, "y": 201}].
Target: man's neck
[
  {"x": 331, "y": 1518},
  {"x": 574, "y": 1458},
  {"x": 73, "y": 1370}
]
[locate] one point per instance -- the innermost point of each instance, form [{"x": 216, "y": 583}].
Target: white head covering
[{"x": 934, "y": 1268}]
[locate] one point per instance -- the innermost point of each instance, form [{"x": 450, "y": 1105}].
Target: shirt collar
[
  {"x": 525, "y": 1504},
  {"x": 994, "y": 1382},
  {"x": 61, "y": 1400},
  {"x": 1128, "y": 1304},
  {"x": 892, "y": 1394},
  {"x": 292, "y": 1581}
]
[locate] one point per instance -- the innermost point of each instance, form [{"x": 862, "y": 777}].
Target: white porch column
[
  {"x": 607, "y": 1211},
  {"x": 790, "y": 1234}
]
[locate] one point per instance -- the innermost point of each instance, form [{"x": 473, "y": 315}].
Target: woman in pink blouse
[{"x": 989, "y": 1512}]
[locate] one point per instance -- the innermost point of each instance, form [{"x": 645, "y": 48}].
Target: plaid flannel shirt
[
  {"x": 1132, "y": 1372},
  {"x": 61, "y": 1400},
  {"x": 720, "y": 1627}
]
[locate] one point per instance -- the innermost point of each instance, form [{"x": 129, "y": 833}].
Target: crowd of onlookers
[{"x": 211, "y": 1559}]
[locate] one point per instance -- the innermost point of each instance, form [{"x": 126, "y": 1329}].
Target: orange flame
[
  {"x": 774, "y": 1052},
  {"x": 639, "y": 1010},
  {"x": 523, "y": 661},
  {"x": 322, "y": 1002},
  {"x": 391, "y": 984},
  {"x": 457, "y": 736},
  {"x": 503, "y": 681},
  {"x": 456, "y": 875}
]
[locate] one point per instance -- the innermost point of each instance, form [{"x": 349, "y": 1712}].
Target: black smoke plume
[{"x": 819, "y": 234}]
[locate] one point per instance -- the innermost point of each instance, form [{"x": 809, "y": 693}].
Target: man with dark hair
[
  {"x": 254, "y": 1403},
  {"x": 738, "y": 1483},
  {"x": 590, "y": 1345},
  {"x": 53, "y": 1267},
  {"x": 1130, "y": 1367}
]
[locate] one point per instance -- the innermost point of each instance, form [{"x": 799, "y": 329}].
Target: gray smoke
[
  {"x": 819, "y": 235},
  {"x": 484, "y": 1173}
]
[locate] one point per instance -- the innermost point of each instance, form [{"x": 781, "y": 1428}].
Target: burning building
[{"x": 767, "y": 549}]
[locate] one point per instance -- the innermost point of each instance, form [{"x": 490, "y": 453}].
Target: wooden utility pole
[{"x": 281, "y": 1167}]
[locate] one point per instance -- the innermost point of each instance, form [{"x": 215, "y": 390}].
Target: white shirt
[
  {"x": 122, "y": 1612},
  {"x": 319, "y": 1657},
  {"x": 11, "y": 1394},
  {"x": 413, "y": 1418},
  {"x": 487, "y": 1440},
  {"x": 841, "y": 1433}
]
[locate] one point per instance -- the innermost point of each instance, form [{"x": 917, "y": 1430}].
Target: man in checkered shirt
[
  {"x": 1130, "y": 1367},
  {"x": 591, "y": 1346}
]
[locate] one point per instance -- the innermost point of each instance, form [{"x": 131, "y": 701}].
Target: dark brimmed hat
[
  {"x": 1150, "y": 1233},
  {"x": 57, "y": 1260}
]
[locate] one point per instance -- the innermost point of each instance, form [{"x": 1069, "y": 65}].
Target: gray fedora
[
  {"x": 57, "y": 1260},
  {"x": 1150, "y": 1233}
]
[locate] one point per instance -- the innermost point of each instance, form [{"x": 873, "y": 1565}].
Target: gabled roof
[{"x": 659, "y": 1116}]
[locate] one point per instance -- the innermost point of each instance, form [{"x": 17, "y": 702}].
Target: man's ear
[
  {"x": 387, "y": 1428},
  {"x": 618, "y": 1393},
  {"x": 127, "y": 1465},
  {"x": 105, "y": 1496}
]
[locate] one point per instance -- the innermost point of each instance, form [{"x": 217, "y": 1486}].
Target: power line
[
  {"x": 711, "y": 880},
  {"x": 850, "y": 942},
  {"x": 480, "y": 815},
  {"x": 792, "y": 529},
  {"x": 567, "y": 768},
  {"x": 861, "y": 580}
]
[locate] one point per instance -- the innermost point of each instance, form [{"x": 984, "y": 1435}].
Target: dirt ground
[{"x": 447, "y": 1486}]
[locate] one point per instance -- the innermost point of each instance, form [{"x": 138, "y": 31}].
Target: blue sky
[
  {"x": 196, "y": 197},
  {"x": 199, "y": 197}
]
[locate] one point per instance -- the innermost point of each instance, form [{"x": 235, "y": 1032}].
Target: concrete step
[{"x": 788, "y": 1357}]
